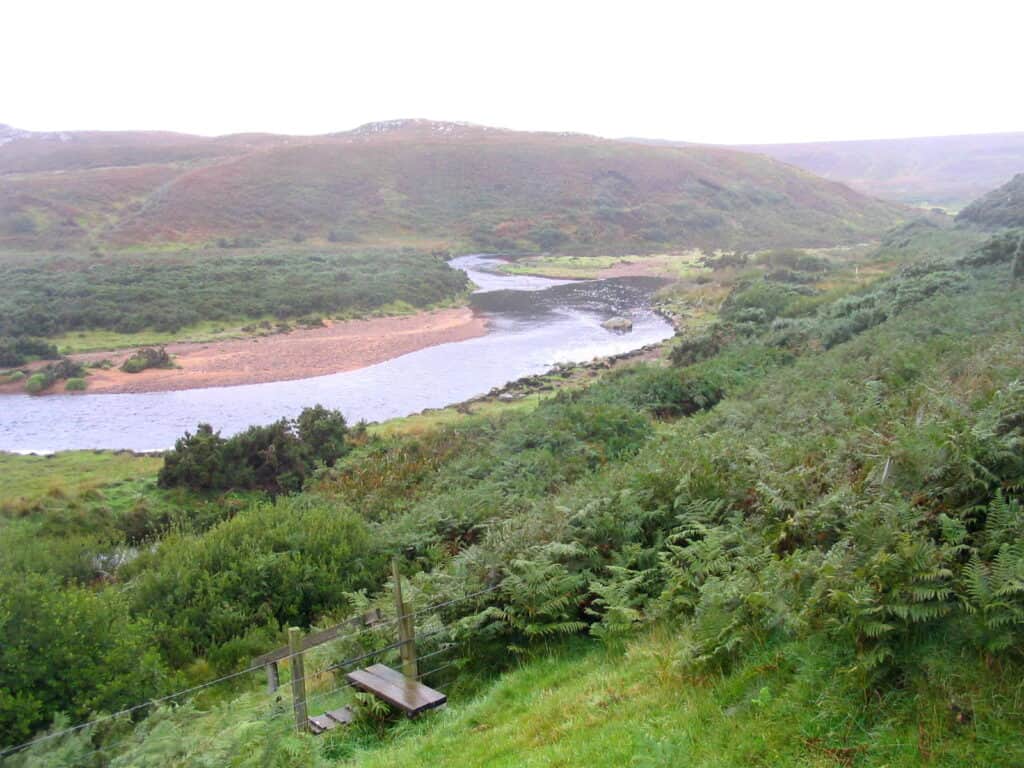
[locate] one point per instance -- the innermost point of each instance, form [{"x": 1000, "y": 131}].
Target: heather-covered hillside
[{"x": 413, "y": 182}]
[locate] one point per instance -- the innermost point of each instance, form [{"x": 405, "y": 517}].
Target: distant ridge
[
  {"x": 937, "y": 170},
  {"x": 413, "y": 181}
]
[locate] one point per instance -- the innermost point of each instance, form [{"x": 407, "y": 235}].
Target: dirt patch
[{"x": 343, "y": 346}]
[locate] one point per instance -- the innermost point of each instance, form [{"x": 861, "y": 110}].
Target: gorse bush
[
  {"x": 44, "y": 378},
  {"x": 148, "y": 357},
  {"x": 276, "y": 458}
]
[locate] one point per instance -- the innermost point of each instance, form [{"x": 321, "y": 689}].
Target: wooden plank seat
[
  {"x": 329, "y": 720},
  {"x": 410, "y": 696}
]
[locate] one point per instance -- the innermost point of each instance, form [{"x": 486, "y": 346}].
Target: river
[{"x": 533, "y": 323}]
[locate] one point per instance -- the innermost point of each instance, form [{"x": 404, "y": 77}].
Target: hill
[
  {"x": 413, "y": 181},
  {"x": 1002, "y": 207},
  {"x": 947, "y": 171},
  {"x": 936, "y": 170}
]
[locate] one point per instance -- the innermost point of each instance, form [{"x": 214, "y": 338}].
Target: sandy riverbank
[{"x": 300, "y": 354}]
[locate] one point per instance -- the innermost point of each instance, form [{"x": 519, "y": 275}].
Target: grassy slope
[
  {"x": 422, "y": 183},
  {"x": 781, "y": 707}
]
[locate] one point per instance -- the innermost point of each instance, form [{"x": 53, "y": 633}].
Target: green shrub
[
  {"x": 37, "y": 382},
  {"x": 272, "y": 565},
  {"x": 75, "y": 385},
  {"x": 18, "y": 350},
  {"x": 71, "y": 650},
  {"x": 148, "y": 357},
  {"x": 276, "y": 458}
]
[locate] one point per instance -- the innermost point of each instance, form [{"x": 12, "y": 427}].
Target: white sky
[{"x": 715, "y": 71}]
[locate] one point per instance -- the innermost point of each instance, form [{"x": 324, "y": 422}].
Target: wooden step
[
  {"x": 410, "y": 696},
  {"x": 329, "y": 720}
]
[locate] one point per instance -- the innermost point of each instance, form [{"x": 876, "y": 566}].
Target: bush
[
  {"x": 166, "y": 292},
  {"x": 548, "y": 238},
  {"x": 37, "y": 382},
  {"x": 276, "y": 458},
  {"x": 149, "y": 357},
  {"x": 71, "y": 650},
  {"x": 271, "y": 565},
  {"x": 75, "y": 385},
  {"x": 17, "y": 350},
  {"x": 761, "y": 299}
]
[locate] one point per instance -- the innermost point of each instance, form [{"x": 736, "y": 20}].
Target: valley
[{"x": 776, "y": 522}]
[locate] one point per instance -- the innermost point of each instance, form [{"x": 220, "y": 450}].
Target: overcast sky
[{"x": 711, "y": 71}]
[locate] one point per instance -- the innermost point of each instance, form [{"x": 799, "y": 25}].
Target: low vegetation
[
  {"x": 18, "y": 351},
  {"x": 44, "y": 378},
  {"x": 166, "y": 292}
]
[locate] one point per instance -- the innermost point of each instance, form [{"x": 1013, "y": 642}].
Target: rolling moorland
[
  {"x": 794, "y": 538},
  {"x": 411, "y": 182},
  {"x": 944, "y": 171}
]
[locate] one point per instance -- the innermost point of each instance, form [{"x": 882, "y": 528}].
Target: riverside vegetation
[
  {"x": 143, "y": 299},
  {"x": 800, "y": 543}
]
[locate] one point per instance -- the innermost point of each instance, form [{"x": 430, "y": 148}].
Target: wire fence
[{"x": 347, "y": 663}]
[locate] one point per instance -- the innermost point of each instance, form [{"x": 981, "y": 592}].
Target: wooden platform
[
  {"x": 329, "y": 720},
  {"x": 410, "y": 696}
]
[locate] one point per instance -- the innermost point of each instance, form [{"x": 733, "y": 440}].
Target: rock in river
[{"x": 618, "y": 324}]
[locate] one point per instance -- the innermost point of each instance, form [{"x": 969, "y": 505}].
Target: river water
[{"x": 533, "y": 324}]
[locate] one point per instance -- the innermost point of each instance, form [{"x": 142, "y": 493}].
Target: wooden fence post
[
  {"x": 298, "y": 679},
  {"x": 406, "y": 626},
  {"x": 273, "y": 679}
]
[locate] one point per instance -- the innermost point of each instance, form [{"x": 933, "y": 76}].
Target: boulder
[{"x": 618, "y": 324}]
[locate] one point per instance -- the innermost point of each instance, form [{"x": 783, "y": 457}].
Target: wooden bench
[{"x": 410, "y": 696}]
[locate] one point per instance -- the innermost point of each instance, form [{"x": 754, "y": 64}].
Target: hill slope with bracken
[
  {"x": 413, "y": 181},
  {"x": 1002, "y": 207}
]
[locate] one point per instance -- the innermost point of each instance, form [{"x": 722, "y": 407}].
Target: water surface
[{"x": 533, "y": 323}]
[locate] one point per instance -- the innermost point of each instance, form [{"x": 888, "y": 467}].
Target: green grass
[
  {"x": 672, "y": 265},
  {"x": 584, "y": 704},
  {"x": 785, "y": 706},
  {"x": 28, "y": 479},
  {"x": 95, "y": 340},
  {"x": 432, "y": 420}
]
